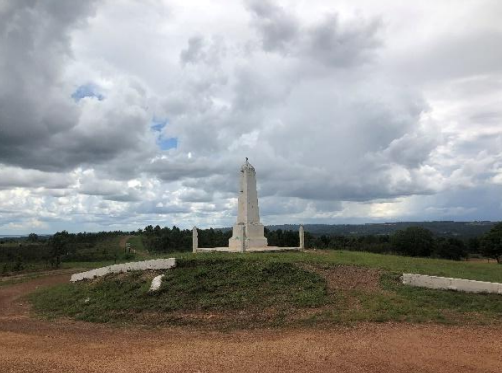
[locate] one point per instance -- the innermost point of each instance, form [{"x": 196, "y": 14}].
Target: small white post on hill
[
  {"x": 195, "y": 239},
  {"x": 302, "y": 237}
]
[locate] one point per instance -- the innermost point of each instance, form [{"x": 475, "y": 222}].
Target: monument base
[
  {"x": 249, "y": 250},
  {"x": 247, "y": 236}
]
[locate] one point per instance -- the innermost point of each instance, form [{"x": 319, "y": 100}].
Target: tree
[
  {"x": 413, "y": 241},
  {"x": 58, "y": 245},
  {"x": 450, "y": 248},
  {"x": 491, "y": 243},
  {"x": 32, "y": 237}
]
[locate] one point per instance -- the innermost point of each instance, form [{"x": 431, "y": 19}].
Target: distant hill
[{"x": 439, "y": 228}]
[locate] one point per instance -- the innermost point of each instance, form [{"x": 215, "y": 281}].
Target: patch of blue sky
[
  {"x": 87, "y": 90},
  {"x": 166, "y": 144}
]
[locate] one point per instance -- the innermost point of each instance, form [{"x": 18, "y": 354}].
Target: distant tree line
[
  {"x": 418, "y": 241},
  {"x": 157, "y": 239},
  {"x": 15, "y": 253},
  {"x": 101, "y": 246},
  {"x": 456, "y": 229}
]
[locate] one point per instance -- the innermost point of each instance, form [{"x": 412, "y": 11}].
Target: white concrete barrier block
[
  {"x": 458, "y": 284},
  {"x": 126, "y": 267}
]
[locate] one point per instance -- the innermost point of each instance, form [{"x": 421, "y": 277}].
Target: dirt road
[{"x": 31, "y": 345}]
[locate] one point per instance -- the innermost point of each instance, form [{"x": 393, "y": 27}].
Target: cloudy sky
[{"x": 119, "y": 114}]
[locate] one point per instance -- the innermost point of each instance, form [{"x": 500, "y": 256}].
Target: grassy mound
[
  {"x": 224, "y": 292},
  {"x": 276, "y": 289}
]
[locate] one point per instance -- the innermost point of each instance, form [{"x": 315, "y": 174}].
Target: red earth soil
[{"x": 29, "y": 344}]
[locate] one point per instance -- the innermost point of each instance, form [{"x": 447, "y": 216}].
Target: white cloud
[{"x": 355, "y": 111}]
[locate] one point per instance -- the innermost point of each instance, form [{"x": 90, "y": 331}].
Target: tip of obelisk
[{"x": 247, "y": 165}]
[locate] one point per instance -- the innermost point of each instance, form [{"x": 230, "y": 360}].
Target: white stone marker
[
  {"x": 156, "y": 282},
  {"x": 302, "y": 238},
  {"x": 195, "y": 239},
  {"x": 248, "y": 232}
]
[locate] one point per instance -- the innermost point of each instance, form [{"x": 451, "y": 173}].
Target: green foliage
[
  {"x": 413, "y": 241},
  {"x": 31, "y": 254},
  {"x": 33, "y": 237},
  {"x": 282, "y": 238},
  {"x": 58, "y": 244},
  {"x": 369, "y": 243},
  {"x": 156, "y": 239},
  {"x": 450, "y": 248},
  {"x": 35, "y": 252},
  {"x": 491, "y": 244},
  {"x": 164, "y": 240},
  {"x": 461, "y": 230},
  {"x": 129, "y": 256}
]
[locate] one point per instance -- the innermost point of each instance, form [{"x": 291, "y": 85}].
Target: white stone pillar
[
  {"x": 195, "y": 239},
  {"x": 302, "y": 237},
  {"x": 248, "y": 232}
]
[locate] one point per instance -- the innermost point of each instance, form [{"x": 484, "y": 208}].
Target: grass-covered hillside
[{"x": 261, "y": 290}]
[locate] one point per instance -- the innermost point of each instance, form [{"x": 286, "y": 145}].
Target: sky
[{"x": 120, "y": 114}]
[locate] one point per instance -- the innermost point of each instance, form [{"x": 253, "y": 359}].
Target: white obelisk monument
[{"x": 248, "y": 232}]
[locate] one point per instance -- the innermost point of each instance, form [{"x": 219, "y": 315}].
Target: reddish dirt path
[
  {"x": 31, "y": 345},
  {"x": 123, "y": 241}
]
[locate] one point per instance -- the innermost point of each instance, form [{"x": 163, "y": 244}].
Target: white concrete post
[
  {"x": 302, "y": 237},
  {"x": 195, "y": 239}
]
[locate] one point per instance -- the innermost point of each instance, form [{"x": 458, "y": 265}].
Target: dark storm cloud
[
  {"x": 277, "y": 27},
  {"x": 327, "y": 41},
  {"x": 33, "y": 49},
  {"x": 342, "y": 46},
  {"x": 40, "y": 124}
]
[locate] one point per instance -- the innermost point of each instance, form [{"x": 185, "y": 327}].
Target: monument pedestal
[{"x": 247, "y": 236}]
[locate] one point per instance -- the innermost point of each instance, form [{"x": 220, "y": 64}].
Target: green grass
[
  {"x": 397, "y": 302},
  {"x": 393, "y": 263},
  {"x": 137, "y": 245},
  {"x": 230, "y": 292},
  {"x": 261, "y": 290}
]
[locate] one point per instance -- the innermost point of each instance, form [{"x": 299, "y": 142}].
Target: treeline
[
  {"x": 85, "y": 247},
  {"x": 163, "y": 240},
  {"x": 418, "y": 241},
  {"x": 103, "y": 246},
  {"x": 462, "y": 230}
]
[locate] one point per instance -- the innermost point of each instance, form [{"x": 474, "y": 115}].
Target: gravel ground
[{"x": 32, "y": 345}]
